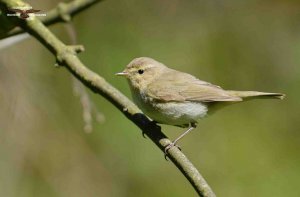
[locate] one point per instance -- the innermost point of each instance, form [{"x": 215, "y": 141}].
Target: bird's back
[{"x": 177, "y": 86}]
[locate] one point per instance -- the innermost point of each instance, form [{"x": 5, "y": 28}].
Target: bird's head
[{"x": 141, "y": 71}]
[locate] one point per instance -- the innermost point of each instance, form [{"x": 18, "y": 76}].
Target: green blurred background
[{"x": 249, "y": 149}]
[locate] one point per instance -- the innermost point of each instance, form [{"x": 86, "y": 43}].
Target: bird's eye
[{"x": 140, "y": 71}]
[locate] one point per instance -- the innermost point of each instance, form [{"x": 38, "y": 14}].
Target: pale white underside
[{"x": 172, "y": 113}]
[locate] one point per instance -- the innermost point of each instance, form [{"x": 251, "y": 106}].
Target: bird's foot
[{"x": 171, "y": 145}]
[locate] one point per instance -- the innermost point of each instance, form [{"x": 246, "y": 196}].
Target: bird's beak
[{"x": 122, "y": 74}]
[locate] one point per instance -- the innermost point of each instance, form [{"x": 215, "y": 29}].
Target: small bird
[{"x": 176, "y": 98}]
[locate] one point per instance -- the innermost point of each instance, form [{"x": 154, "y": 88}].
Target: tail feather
[{"x": 252, "y": 94}]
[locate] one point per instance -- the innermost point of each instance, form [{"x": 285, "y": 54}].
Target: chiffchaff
[{"x": 172, "y": 97}]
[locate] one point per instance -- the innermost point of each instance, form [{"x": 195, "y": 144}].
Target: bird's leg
[{"x": 193, "y": 126}]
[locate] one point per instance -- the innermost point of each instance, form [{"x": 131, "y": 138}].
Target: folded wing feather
[{"x": 177, "y": 86}]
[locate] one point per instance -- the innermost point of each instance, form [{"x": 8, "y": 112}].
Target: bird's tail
[{"x": 247, "y": 95}]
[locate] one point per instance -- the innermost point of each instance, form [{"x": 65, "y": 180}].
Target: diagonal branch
[
  {"x": 62, "y": 13},
  {"x": 66, "y": 56}
]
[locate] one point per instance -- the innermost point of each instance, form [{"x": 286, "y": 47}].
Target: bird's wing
[{"x": 177, "y": 86}]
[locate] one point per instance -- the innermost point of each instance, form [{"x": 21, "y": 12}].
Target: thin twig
[
  {"x": 88, "y": 107},
  {"x": 66, "y": 56}
]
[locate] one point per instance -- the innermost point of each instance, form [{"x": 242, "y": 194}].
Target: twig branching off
[
  {"x": 62, "y": 13},
  {"x": 66, "y": 56},
  {"x": 88, "y": 106}
]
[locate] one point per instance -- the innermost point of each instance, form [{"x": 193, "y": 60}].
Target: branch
[
  {"x": 62, "y": 13},
  {"x": 66, "y": 56},
  {"x": 80, "y": 91}
]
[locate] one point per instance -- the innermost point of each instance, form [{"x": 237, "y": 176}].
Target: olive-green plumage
[
  {"x": 176, "y": 98},
  {"x": 172, "y": 97}
]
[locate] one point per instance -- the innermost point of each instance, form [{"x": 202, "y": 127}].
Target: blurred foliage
[{"x": 249, "y": 149}]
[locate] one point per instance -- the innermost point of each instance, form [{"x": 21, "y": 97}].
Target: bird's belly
[{"x": 172, "y": 113}]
